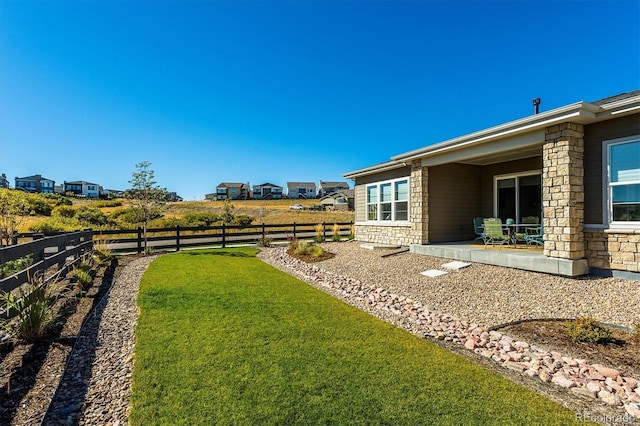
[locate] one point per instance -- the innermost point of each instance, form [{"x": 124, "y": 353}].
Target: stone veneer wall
[
  {"x": 563, "y": 191},
  {"x": 613, "y": 249},
  {"x": 419, "y": 199},
  {"x": 415, "y": 233}
]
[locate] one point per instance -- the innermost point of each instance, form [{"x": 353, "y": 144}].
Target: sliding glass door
[{"x": 518, "y": 196}]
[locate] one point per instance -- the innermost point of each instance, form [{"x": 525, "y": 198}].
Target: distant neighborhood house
[
  {"x": 326, "y": 188},
  {"x": 35, "y": 184},
  {"x": 267, "y": 191},
  {"x": 297, "y": 190},
  {"x": 232, "y": 191},
  {"x": 83, "y": 189},
  {"x": 340, "y": 200},
  {"x": 4, "y": 182}
]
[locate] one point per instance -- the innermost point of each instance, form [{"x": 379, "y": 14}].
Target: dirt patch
[
  {"x": 622, "y": 352},
  {"x": 30, "y": 372},
  {"x": 310, "y": 258}
]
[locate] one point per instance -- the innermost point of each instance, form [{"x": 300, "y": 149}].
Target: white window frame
[
  {"x": 607, "y": 199},
  {"x": 378, "y": 203},
  {"x": 496, "y": 178}
]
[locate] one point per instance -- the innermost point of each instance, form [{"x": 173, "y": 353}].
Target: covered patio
[{"x": 528, "y": 259}]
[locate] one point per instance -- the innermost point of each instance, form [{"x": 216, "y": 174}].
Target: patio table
[{"x": 512, "y": 228}]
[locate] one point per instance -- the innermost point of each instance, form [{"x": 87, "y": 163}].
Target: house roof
[
  {"x": 346, "y": 193},
  {"x": 81, "y": 182},
  {"x": 308, "y": 185},
  {"x": 331, "y": 184},
  {"x": 232, "y": 185},
  {"x": 34, "y": 177},
  {"x": 267, "y": 184},
  {"x": 520, "y": 138}
]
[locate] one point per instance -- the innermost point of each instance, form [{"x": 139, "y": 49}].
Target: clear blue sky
[{"x": 263, "y": 91}]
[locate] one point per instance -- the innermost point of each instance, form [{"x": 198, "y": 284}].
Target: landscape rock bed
[{"x": 593, "y": 381}]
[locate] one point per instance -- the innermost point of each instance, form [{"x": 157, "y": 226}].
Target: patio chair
[
  {"x": 534, "y": 235},
  {"x": 478, "y": 227},
  {"x": 494, "y": 232}
]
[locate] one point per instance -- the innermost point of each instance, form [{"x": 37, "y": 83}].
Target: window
[
  {"x": 623, "y": 181},
  {"x": 388, "y": 201},
  {"x": 518, "y": 196}
]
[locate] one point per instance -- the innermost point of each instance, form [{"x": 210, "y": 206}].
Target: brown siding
[
  {"x": 488, "y": 172},
  {"x": 455, "y": 198},
  {"x": 360, "y": 191},
  {"x": 360, "y": 203},
  {"x": 594, "y": 135}
]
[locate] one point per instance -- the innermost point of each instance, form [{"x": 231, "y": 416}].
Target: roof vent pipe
[{"x": 536, "y": 105}]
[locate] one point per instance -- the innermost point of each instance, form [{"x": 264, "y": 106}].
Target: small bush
[
  {"x": 200, "y": 219},
  {"x": 587, "y": 330},
  {"x": 319, "y": 233},
  {"x": 91, "y": 216},
  {"x": 63, "y": 211},
  {"x": 242, "y": 220},
  {"x": 309, "y": 249},
  {"x": 336, "y": 232},
  {"x": 107, "y": 203},
  {"x": 101, "y": 251},
  {"x": 83, "y": 277},
  {"x": 265, "y": 241},
  {"x": 293, "y": 242},
  {"x": 13, "y": 266},
  {"x": 34, "y": 306}
]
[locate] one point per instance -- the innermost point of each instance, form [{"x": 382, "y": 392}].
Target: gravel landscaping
[{"x": 485, "y": 294}]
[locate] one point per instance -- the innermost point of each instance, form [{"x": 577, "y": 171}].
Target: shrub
[
  {"x": 309, "y": 249},
  {"x": 91, "y": 216},
  {"x": 63, "y": 212},
  {"x": 107, "y": 203},
  {"x": 319, "y": 233},
  {"x": 242, "y": 220},
  {"x": 587, "y": 330},
  {"x": 34, "y": 306},
  {"x": 265, "y": 241},
  {"x": 101, "y": 250},
  {"x": 13, "y": 266},
  {"x": 336, "y": 232},
  {"x": 54, "y": 224},
  {"x": 293, "y": 242},
  {"x": 83, "y": 277},
  {"x": 200, "y": 219}
]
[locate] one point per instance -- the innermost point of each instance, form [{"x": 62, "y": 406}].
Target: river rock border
[{"x": 594, "y": 381}]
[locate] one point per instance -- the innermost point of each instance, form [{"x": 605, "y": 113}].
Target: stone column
[
  {"x": 419, "y": 200},
  {"x": 563, "y": 191}
]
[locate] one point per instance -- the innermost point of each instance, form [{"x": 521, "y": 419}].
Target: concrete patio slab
[{"x": 529, "y": 260}]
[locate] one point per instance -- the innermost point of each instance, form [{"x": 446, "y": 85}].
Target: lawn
[{"x": 223, "y": 338}]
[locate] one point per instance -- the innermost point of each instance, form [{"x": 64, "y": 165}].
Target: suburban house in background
[
  {"x": 173, "y": 197},
  {"x": 339, "y": 200},
  {"x": 4, "y": 182},
  {"x": 326, "y": 188},
  {"x": 113, "y": 193},
  {"x": 576, "y": 168},
  {"x": 301, "y": 190},
  {"x": 83, "y": 188},
  {"x": 267, "y": 191},
  {"x": 35, "y": 184},
  {"x": 232, "y": 191}
]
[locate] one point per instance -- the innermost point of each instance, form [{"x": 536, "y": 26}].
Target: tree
[
  {"x": 146, "y": 195},
  {"x": 227, "y": 213},
  {"x": 14, "y": 206}
]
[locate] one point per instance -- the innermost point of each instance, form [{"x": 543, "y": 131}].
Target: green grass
[{"x": 225, "y": 339}]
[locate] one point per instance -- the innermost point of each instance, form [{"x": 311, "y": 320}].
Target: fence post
[
  {"x": 294, "y": 230},
  {"x": 223, "y": 235},
  {"x": 263, "y": 231},
  {"x": 177, "y": 237},
  {"x": 139, "y": 240},
  {"x": 324, "y": 231}
]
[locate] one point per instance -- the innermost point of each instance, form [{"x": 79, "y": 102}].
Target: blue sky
[{"x": 264, "y": 91}]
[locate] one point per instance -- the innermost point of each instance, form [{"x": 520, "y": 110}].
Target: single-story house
[
  {"x": 576, "y": 167},
  {"x": 301, "y": 190},
  {"x": 326, "y": 188},
  {"x": 339, "y": 200},
  {"x": 233, "y": 191},
  {"x": 267, "y": 191}
]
